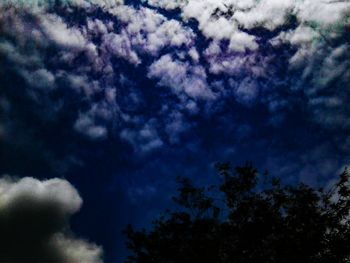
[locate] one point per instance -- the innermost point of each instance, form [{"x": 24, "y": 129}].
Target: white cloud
[
  {"x": 219, "y": 29},
  {"x": 169, "y": 33},
  {"x": 241, "y": 41},
  {"x": 77, "y": 250},
  {"x": 27, "y": 205},
  {"x": 166, "y": 4},
  {"x": 213, "y": 49},
  {"x": 230, "y": 63},
  {"x": 302, "y": 36},
  {"x": 85, "y": 124},
  {"x": 168, "y": 47},
  {"x": 267, "y": 13},
  {"x": 60, "y": 34},
  {"x": 323, "y": 12},
  {"x": 120, "y": 45},
  {"x": 56, "y": 190},
  {"x": 181, "y": 77},
  {"x": 193, "y": 53},
  {"x": 150, "y": 32},
  {"x": 98, "y": 27},
  {"x": 46, "y": 4}
]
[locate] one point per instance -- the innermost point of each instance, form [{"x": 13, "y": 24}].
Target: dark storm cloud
[{"x": 34, "y": 223}]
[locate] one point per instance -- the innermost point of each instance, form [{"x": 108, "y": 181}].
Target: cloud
[
  {"x": 324, "y": 12},
  {"x": 55, "y": 56},
  {"x": 85, "y": 79},
  {"x": 144, "y": 139},
  {"x": 181, "y": 77},
  {"x": 68, "y": 62},
  {"x": 246, "y": 91},
  {"x": 86, "y": 125},
  {"x": 46, "y": 4},
  {"x": 166, "y": 4},
  {"x": 222, "y": 60},
  {"x": 34, "y": 219},
  {"x": 267, "y": 13},
  {"x": 176, "y": 125},
  {"x": 58, "y": 32},
  {"x": 41, "y": 79},
  {"x": 120, "y": 45},
  {"x": 149, "y": 32},
  {"x": 241, "y": 41},
  {"x": 193, "y": 53}
]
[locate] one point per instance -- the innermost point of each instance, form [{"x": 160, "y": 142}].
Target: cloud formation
[
  {"x": 182, "y": 77},
  {"x": 157, "y": 85},
  {"x": 34, "y": 219},
  {"x": 203, "y": 52}
]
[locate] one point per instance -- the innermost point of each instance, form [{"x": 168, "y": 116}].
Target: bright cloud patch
[{"x": 34, "y": 222}]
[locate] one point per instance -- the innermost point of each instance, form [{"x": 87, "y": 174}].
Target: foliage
[{"x": 250, "y": 218}]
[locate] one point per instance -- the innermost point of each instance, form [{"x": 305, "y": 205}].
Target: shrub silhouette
[{"x": 249, "y": 218}]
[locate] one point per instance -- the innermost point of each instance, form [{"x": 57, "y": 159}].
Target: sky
[{"x": 103, "y": 103}]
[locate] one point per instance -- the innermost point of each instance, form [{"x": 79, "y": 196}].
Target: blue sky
[{"x": 116, "y": 98}]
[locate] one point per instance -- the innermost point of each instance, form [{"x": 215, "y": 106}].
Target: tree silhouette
[{"x": 249, "y": 218}]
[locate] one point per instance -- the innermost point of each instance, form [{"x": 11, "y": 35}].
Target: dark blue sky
[{"x": 121, "y": 98}]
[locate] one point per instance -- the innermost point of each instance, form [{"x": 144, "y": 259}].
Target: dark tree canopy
[{"x": 250, "y": 218}]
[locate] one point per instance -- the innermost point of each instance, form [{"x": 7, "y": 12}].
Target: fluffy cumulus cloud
[
  {"x": 34, "y": 222},
  {"x": 150, "y": 32},
  {"x": 258, "y": 51},
  {"x": 182, "y": 77},
  {"x": 55, "y": 57}
]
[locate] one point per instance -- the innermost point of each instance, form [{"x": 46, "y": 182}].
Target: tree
[{"x": 249, "y": 218}]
